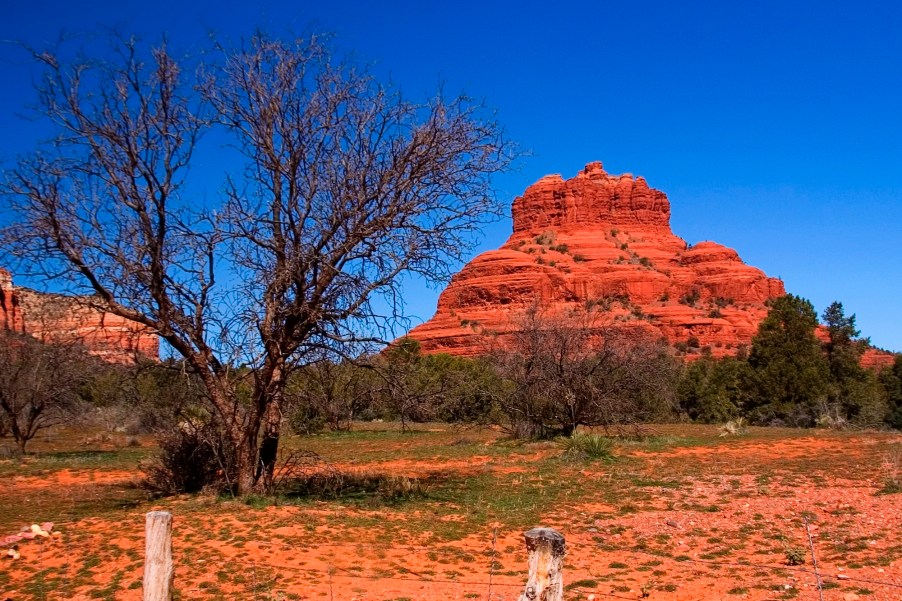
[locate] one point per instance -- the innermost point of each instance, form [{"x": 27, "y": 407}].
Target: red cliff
[
  {"x": 10, "y": 313},
  {"x": 64, "y": 319},
  {"x": 602, "y": 242}
]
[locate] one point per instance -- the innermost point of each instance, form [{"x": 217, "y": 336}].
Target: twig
[
  {"x": 331, "y": 591},
  {"x": 492, "y": 562},
  {"x": 817, "y": 574}
]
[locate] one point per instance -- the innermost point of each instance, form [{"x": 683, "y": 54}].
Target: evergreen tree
[
  {"x": 892, "y": 383},
  {"x": 854, "y": 393},
  {"x": 843, "y": 347},
  {"x": 711, "y": 390},
  {"x": 790, "y": 375}
]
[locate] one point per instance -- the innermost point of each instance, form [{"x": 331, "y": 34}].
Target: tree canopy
[{"x": 343, "y": 186}]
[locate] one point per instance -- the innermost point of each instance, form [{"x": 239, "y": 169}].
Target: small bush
[
  {"x": 584, "y": 583},
  {"x": 588, "y": 446},
  {"x": 734, "y": 427},
  {"x": 691, "y": 297},
  {"x": 193, "y": 458},
  {"x": 309, "y": 420},
  {"x": 892, "y": 473},
  {"x": 329, "y": 483},
  {"x": 723, "y": 302},
  {"x": 795, "y": 556}
]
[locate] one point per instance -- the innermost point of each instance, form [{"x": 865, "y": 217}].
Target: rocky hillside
[
  {"x": 602, "y": 242},
  {"x": 63, "y": 319}
]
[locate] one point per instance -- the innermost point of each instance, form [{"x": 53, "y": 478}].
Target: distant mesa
[
  {"x": 68, "y": 320},
  {"x": 602, "y": 242}
]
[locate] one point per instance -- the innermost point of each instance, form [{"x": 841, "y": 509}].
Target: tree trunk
[
  {"x": 269, "y": 447},
  {"x": 245, "y": 476},
  {"x": 546, "y": 560}
]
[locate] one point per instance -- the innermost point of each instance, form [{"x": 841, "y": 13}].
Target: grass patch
[{"x": 589, "y": 447}]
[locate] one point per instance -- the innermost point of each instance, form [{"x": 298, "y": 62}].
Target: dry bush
[
  {"x": 734, "y": 427},
  {"x": 194, "y": 457},
  {"x": 572, "y": 369},
  {"x": 892, "y": 471}
]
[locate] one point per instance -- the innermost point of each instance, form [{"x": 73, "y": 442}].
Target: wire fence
[
  {"x": 392, "y": 568},
  {"x": 492, "y": 566}
]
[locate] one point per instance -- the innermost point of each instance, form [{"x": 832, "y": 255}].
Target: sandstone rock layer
[
  {"x": 10, "y": 313},
  {"x": 602, "y": 242},
  {"x": 55, "y": 318}
]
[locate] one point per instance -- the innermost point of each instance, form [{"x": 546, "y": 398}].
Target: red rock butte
[
  {"x": 602, "y": 242},
  {"x": 55, "y": 318}
]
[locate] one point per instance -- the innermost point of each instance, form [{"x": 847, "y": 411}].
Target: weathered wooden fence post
[
  {"x": 158, "y": 569},
  {"x": 546, "y": 561}
]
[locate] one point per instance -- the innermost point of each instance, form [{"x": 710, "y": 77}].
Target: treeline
[
  {"x": 791, "y": 377},
  {"x": 541, "y": 383},
  {"x": 544, "y": 383}
]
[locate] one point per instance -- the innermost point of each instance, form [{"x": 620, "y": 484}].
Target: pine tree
[
  {"x": 854, "y": 393},
  {"x": 790, "y": 375},
  {"x": 891, "y": 378}
]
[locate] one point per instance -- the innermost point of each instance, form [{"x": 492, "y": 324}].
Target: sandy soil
[{"x": 722, "y": 533}]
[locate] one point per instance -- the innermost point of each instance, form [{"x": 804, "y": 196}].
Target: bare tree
[
  {"x": 346, "y": 187},
  {"x": 569, "y": 369},
  {"x": 329, "y": 394},
  {"x": 38, "y": 385}
]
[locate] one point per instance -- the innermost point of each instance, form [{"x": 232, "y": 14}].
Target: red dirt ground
[{"x": 721, "y": 534}]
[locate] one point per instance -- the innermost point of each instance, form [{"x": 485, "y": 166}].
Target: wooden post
[
  {"x": 546, "y": 561},
  {"x": 158, "y": 570}
]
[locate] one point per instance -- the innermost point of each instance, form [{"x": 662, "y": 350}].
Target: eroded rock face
[
  {"x": 10, "y": 313},
  {"x": 62, "y": 319},
  {"x": 877, "y": 359},
  {"x": 602, "y": 242}
]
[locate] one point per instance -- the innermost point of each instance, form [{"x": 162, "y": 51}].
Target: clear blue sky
[{"x": 774, "y": 127}]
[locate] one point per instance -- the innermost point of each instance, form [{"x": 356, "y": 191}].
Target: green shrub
[
  {"x": 691, "y": 297},
  {"x": 795, "y": 556},
  {"x": 587, "y": 446}
]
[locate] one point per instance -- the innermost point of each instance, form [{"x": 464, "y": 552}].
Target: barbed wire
[
  {"x": 570, "y": 544},
  {"x": 350, "y": 574},
  {"x": 736, "y": 564}
]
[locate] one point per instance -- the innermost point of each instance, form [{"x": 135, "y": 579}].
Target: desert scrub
[
  {"x": 795, "y": 556},
  {"x": 587, "y": 446},
  {"x": 734, "y": 427},
  {"x": 892, "y": 473}
]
